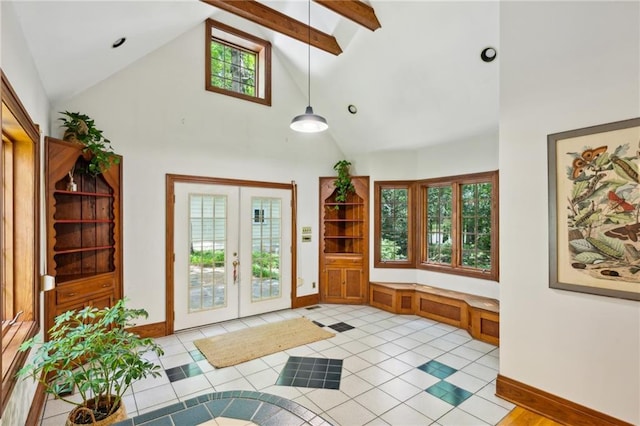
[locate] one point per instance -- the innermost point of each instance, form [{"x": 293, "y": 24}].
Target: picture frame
[{"x": 594, "y": 209}]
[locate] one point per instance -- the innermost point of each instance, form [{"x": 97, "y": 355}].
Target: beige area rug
[{"x": 254, "y": 342}]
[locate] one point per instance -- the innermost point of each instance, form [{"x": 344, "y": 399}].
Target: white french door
[{"x": 232, "y": 248}]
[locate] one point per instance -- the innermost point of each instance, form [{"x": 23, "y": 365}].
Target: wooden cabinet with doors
[
  {"x": 344, "y": 243},
  {"x": 84, "y": 231}
]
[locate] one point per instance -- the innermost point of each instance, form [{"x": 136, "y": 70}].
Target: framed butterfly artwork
[{"x": 594, "y": 209}]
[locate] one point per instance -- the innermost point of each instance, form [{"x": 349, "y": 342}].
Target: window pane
[
  {"x": 394, "y": 218},
  {"x": 439, "y": 219},
  {"x": 207, "y": 237},
  {"x": 233, "y": 68},
  {"x": 476, "y": 224},
  {"x": 266, "y": 236}
]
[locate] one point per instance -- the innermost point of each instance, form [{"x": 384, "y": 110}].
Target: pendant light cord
[{"x": 309, "y": 51}]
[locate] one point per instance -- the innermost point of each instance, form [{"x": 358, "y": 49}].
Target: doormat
[{"x": 244, "y": 345}]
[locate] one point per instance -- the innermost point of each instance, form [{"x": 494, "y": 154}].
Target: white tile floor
[{"x": 380, "y": 382}]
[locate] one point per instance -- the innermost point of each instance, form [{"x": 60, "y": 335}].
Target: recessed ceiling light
[
  {"x": 352, "y": 109},
  {"x": 119, "y": 42},
  {"x": 488, "y": 54}
]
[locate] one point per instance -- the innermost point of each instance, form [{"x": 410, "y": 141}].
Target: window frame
[
  {"x": 19, "y": 130},
  {"x": 379, "y": 186},
  {"x": 237, "y": 38},
  {"x": 456, "y": 266},
  {"x": 417, "y": 249}
]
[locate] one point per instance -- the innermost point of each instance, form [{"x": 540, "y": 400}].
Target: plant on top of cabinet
[
  {"x": 343, "y": 183},
  {"x": 80, "y": 128}
]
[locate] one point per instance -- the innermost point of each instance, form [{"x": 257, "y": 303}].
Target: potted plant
[
  {"x": 90, "y": 350},
  {"x": 343, "y": 182},
  {"x": 80, "y": 128}
]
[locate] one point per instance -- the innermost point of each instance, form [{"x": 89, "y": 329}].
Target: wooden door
[{"x": 232, "y": 248}]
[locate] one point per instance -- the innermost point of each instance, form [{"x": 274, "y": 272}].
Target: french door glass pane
[
  {"x": 207, "y": 251},
  {"x": 266, "y": 237}
]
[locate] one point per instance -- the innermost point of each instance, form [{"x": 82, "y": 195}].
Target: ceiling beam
[
  {"x": 355, "y": 10},
  {"x": 276, "y": 21}
]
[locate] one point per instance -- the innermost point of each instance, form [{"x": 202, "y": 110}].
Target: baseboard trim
[
  {"x": 308, "y": 300},
  {"x": 37, "y": 406},
  {"x": 158, "y": 329},
  {"x": 551, "y": 406}
]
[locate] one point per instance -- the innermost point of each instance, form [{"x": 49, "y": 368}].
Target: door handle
[{"x": 235, "y": 264}]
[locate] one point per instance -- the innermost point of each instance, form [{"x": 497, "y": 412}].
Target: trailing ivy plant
[
  {"x": 343, "y": 183},
  {"x": 81, "y": 128}
]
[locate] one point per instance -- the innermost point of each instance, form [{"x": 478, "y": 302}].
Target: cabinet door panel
[
  {"x": 102, "y": 301},
  {"x": 334, "y": 283},
  {"x": 353, "y": 283}
]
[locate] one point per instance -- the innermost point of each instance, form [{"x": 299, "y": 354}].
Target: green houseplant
[
  {"x": 80, "y": 128},
  {"x": 91, "y": 351},
  {"x": 343, "y": 183}
]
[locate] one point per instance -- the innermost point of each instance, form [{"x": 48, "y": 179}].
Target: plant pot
[{"x": 86, "y": 414}]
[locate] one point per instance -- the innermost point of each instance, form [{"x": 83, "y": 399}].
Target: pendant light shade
[{"x": 309, "y": 122}]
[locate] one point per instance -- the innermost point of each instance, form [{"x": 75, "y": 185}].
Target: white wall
[
  {"x": 159, "y": 117},
  {"x": 477, "y": 154},
  {"x": 564, "y": 65},
  {"x": 17, "y": 64}
]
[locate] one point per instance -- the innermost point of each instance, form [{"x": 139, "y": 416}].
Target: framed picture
[{"x": 594, "y": 210}]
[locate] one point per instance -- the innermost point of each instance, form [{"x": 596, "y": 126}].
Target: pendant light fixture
[{"x": 309, "y": 122}]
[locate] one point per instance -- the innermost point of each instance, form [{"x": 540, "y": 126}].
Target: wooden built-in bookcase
[
  {"x": 344, "y": 243},
  {"x": 84, "y": 231}
]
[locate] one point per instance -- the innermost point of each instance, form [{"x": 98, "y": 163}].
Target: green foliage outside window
[
  {"x": 394, "y": 217},
  {"x": 233, "y": 68},
  {"x": 476, "y": 225},
  {"x": 265, "y": 264},
  {"x": 390, "y": 250},
  {"x": 206, "y": 257},
  {"x": 439, "y": 217}
]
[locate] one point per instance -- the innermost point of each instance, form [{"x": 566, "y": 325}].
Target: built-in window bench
[{"x": 480, "y": 316}]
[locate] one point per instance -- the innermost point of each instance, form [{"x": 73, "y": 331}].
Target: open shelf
[
  {"x": 83, "y": 221},
  {"x": 82, "y": 249},
  {"x": 82, "y": 193},
  {"x": 84, "y": 227}
]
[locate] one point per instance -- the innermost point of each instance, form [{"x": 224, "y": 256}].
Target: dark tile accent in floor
[
  {"x": 261, "y": 408},
  {"x": 448, "y": 392},
  {"x": 312, "y": 307},
  {"x": 192, "y": 416},
  {"x": 183, "y": 371},
  {"x": 197, "y": 355},
  {"x": 159, "y": 413},
  {"x": 341, "y": 326},
  {"x": 319, "y": 324},
  {"x": 438, "y": 369},
  {"x": 305, "y": 372}
]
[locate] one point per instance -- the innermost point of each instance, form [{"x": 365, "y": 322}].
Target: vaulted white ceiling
[{"x": 416, "y": 81}]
